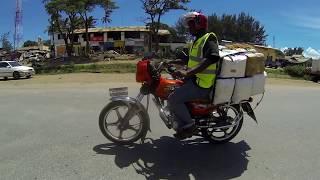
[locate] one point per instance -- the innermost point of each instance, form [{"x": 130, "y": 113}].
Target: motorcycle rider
[{"x": 199, "y": 76}]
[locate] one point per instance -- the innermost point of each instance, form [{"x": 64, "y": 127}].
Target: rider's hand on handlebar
[{"x": 180, "y": 73}]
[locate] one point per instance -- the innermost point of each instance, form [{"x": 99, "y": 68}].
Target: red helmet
[{"x": 196, "y": 20}]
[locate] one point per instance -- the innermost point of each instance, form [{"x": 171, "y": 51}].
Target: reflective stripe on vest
[{"x": 206, "y": 78}]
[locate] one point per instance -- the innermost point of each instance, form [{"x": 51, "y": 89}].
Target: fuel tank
[{"x": 166, "y": 87}]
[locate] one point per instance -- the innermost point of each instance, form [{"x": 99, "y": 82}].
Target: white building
[{"x": 126, "y": 39}]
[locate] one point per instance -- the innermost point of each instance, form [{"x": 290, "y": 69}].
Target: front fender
[{"x": 135, "y": 103}]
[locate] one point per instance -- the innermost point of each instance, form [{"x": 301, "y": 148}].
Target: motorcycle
[{"x": 129, "y": 118}]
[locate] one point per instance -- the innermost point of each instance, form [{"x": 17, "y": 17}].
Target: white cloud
[
  {"x": 284, "y": 48},
  {"x": 303, "y": 18},
  {"x": 311, "y": 53},
  {"x": 309, "y": 22}
]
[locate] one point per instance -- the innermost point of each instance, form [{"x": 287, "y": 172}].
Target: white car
[{"x": 15, "y": 70}]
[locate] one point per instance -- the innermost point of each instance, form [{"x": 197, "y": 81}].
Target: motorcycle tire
[
  {"x": 213, "y": 140},
  {"x": 216, "y": 140},
  {"x": 102, "y": 124}
]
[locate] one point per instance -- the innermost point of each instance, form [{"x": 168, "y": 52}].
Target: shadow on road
[
  {"x": 168, "y": 158},
  {"x": 12, "y": 79}
]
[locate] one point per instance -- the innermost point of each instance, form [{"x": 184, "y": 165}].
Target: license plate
[{"x": 116, "y": 92}]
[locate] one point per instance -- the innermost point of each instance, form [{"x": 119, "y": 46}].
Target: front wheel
[
  {"x": 16, "y": 75},
  {"x": 115, "y": 127},
  {"x": 227, "y": 125}
]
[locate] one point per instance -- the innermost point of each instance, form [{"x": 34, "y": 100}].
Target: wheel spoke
[
  {"x": 118, "y": 113},
  {"x": 133, "y": 125},
  {"x": 130, "y": 114},
  {"x": 133, "y": 129},
  {"x": 120, "y": 134},
  {"x": 225, "y": 132},
  {"x": 112, "y": 124}
]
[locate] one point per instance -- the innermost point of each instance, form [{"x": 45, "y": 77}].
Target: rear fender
[
  {"x": 138, "y": 106},
  {"x": 248, "y": 109}
]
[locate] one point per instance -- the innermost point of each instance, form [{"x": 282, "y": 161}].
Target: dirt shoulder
[
  {"x": 291, "y": 82},
  {"x": 75, "y": 79}
]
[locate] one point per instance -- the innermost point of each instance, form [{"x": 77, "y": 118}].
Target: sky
[{"x": 291, "y": 23}]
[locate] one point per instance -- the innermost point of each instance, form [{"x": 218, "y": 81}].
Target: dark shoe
[
  {"x": 185, "y": 133},
  {"x": 179, "y": 136}
]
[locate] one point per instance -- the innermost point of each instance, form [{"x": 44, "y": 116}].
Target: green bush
[
  {"x": 296, "y": 70},
  {"x": 92, "y": 67}
]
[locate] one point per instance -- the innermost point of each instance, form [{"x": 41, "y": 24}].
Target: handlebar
[{"x": 167, "y": 67}]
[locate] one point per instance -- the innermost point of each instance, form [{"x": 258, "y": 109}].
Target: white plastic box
[
  {"x": 242, "y": 89},
  {"x": 233, "y": 66},
  {"x": 258, "y": 86},
  {"x": 223, "y": 91}
]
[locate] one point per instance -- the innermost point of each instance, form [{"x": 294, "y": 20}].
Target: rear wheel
[
  {"x": 227, "y": 125},
  {"x": 116, "y": 129},
  {"x": 16, "y": 75}
]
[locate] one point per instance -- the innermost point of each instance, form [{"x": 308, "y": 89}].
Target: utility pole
[
  {"x": 274, "y": 42},
  {"x": 17, "y": 37}
]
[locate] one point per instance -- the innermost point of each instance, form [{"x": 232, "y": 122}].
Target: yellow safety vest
[{"x": 206, "y": 78}]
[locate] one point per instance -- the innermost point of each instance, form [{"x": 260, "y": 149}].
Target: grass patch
[
  {"x": 290, "y": 72},
  {"x": 278, "y": 71},
  {"x": 89, "y": 68}
]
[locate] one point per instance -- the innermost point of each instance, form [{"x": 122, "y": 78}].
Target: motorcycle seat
[{"x": 200, "y": 101}]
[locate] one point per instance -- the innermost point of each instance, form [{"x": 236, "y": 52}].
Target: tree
[
  {"x": 6, "y": 44},
  {"x": 30, "y": 43},
  {"x": 155, "y": 9},
  {"x": 47, "y": 42},
  {"x": 293, "y": 51},
  {"x": 84, "y": 7},
  {"x": 181, "y": 31},
  {"x": 239, "y": 28},
  {"x": 174, "y": 37},
  {"x": 63, "y": 19},
  {"x": 68, "y": 15}
]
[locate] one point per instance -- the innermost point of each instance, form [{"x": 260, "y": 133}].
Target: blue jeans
[{"x": 176, "y": 101}]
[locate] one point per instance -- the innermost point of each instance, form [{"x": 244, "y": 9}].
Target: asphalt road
[{"x": 51, "y": 132}]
